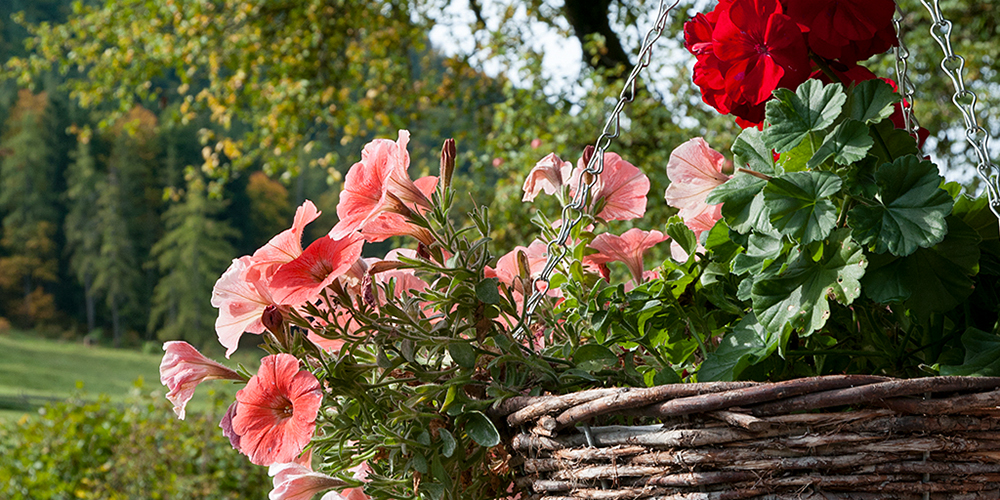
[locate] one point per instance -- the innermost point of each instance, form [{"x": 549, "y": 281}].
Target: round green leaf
[{"x": 798, "y": 205}]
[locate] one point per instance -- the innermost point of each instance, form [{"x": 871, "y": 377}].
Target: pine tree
[
  {"x": 29, "y": 206},
  {"x": 117, "y": 269},
  {"x": 191, "y": 256},
  {"x": 83, "y": 242}
]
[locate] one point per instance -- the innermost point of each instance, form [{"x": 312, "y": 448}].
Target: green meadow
[{"x": 35, "y": 370}]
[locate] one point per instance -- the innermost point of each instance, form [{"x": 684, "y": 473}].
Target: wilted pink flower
[
  {"x": 627, "y": 248},
  {"x": 621, "y": 188},
  {"x": 183, "y": 368},
  {"x": 548, "y": 175},
  {"x": 284, "y": 247},
  {"x": 302, "y": 279},
  {"x": 694, "y": 170},
  {"x": 226, "y": 424},
  {"x": 240, "y": 301},
  {"x": 392, "y": 223},
  {"x": 368, "y": 184},
  {"x": 276, "y": 411},
  {"x": 294, "y": 481}
]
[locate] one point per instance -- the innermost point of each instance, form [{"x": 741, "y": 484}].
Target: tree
[
  {"x": 190, "y": 257},
  {"x": 83, "y": 182},
  {"x": 29, "y": 207}
]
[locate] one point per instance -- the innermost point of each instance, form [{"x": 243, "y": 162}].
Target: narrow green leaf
[
  {"x": 909, "y": 211},
  {"x": 798, "y": 206},
  {"x": 799, "y": 295},
  {"x": 871, "y": 101},
  {"x": 848, "y": 143},
  {"x": 793, "y": 115},
  {"x": 480, "y": 429},
  {"x": 447, "y": 442}
]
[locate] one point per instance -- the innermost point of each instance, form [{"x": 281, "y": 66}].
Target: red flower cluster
[{"x": 748, "y": 48}]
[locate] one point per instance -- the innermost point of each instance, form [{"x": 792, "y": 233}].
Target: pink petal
[
  {"x": 183, "y": 368},
  {"x": 287, "y": 245},
  {"x": 302, "y": 279},
  {"x": 367, "y": 182},
  {"x": 627, "y": 248},
  {"x": 623, "y": 188},
  {"x": 548, "y": 176},
  {"x": 293, "y": 481},
  {"x": 240, "y": 302}
]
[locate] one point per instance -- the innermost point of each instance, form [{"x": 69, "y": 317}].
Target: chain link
[
  {"x": 964, "y": 99},
  {"x": 573, "y": 212},
  {"x": 905, "y": 86}
]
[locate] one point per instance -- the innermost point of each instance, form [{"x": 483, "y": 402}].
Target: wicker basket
[{"x": 929, "y": 438}]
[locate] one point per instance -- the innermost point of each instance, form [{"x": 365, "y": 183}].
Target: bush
[{"x": 99, "y": 450}]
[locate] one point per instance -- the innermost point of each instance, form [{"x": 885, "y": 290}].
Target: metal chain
[
  {"x": 573, "y": 212},
  {"x": 905, "y": 86},
  {"x": 964, "y": 99}
]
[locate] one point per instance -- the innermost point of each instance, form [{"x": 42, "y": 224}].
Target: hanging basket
[{"x": 833, "y": 437}]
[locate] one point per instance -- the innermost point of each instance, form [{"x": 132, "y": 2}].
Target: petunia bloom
[
  {"x": 620, "y": 190},
  {"x": 240, "y": 301},
  {"x": 392, "y": 222},
  {"x": 361, "y": 474},
  {"x": 371, "y": 184},
  {"x": 548, "y": 176},
  {"x": 183, "y": 368},
  {"x": 276, "y": 411},
  {"x": 627, "y": 248},
  {"x": 694, "y": 170},
  {"x": 302, "y": 279},
  {"x": 285, "y": 246},
  {"x": 294, "y": 481}
]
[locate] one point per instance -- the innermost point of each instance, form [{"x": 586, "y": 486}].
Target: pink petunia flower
[
  {"x": 226, "y": 424},
  {"x": 294, "y": 481},
  {"x": 621, "y": 188},
  {"x": 361, "y": 474},
  {"x": 183, "y": 368},
  {"x": 393, "y": 223},
  {"x": 302, "y": 279},
  {"x": 548, "y": 176},
  {"x": 508, "y": 271},
  {"x": 627, "y": 248},
  {"x": 368, "y": 184},
  {"x": 276, "y": 411},
  {"x": 284, "y": 247},
  {"x": 240, "y": 301},
  {"x": 695, "y": 169}
]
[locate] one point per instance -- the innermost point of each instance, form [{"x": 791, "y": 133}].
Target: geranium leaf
[
  {"x": 750, "y": 152},
  {"x": 680, "y": 233},
  {"x": 762, "y": 250},
  {"x": 799, "y": 295},
  {"x": 742, "y": 208},
  {"x": 982, "y": 355},
  {"x": 748, "y": 343},
  {"x": 848, "y": 143},
  {"x": 871, "y": 101},
  {"x": 798, "y": 206},
  {"x": 909, "y": 209},
  {"x": 891, "y": 142},
  {"x": 929, "y": 280},
  {"x": 793, "y": 115}
]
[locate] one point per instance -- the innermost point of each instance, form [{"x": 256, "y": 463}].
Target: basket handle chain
[
  {"x": 573, "y": 212},
  {"x": 964, "y": 99}
]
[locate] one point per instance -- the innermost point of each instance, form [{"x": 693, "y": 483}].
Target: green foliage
[
  {"x": 191, "y": 256},
  {"x": 102, "y": 450},
  {"x": 794, "y": 115}
]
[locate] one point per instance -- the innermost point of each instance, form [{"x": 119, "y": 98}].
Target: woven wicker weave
[{"x": 936, "y": 438}]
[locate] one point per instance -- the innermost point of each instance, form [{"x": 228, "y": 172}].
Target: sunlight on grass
[{"x": 33, "y": 370}]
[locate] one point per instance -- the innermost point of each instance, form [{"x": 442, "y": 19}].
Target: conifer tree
[
  {"x": 191, "y": 256},
  {"x": 83, "y": 242},
  {"x": 28, "y": 203}
]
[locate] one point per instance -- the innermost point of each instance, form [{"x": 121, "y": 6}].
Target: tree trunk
[
  {"x": 590, "y": 17},
  {"x": 116, "y": 335},
  {"x": 89, "y": 300}
]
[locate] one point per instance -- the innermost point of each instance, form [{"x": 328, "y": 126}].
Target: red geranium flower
[
  {"x": 846, "y": 30},
  {"x": 276, "y": 411},
  {"x": 763, "y": 47}
]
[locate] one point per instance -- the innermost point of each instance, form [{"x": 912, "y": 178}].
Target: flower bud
[
  {"x": 272, "y": 319},
  {"x": 448, "y": 154}
]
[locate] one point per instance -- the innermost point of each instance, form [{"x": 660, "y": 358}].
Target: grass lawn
[{"x": 33, "y": 370}]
